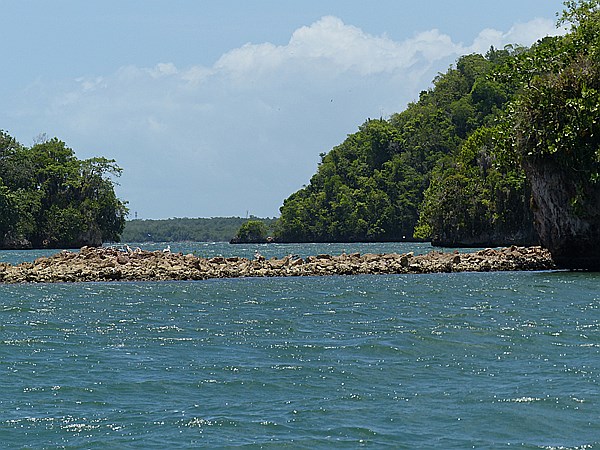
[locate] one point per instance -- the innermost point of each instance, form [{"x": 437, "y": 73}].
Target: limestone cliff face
[
  {"x": 92, "y": 237},
  {"x": 570, "y": 230},
  {"x": 526, "y": 237}
]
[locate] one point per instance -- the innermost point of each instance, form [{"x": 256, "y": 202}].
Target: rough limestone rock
[
  {"x": 111, "y": 264},
  {"x": 570, "y": 230}
]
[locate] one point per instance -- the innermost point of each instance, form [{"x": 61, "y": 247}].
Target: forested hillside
[
  {"x": 51, "y": 199},
  {"x": 372, "y": 186},
  {"x": 502, "y": 149},
  {"x": 556, "y": 136},
  {"x": 538, "y": 161}
]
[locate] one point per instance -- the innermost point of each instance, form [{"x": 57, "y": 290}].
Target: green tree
[
  {"x": 49, "y": 198},
  {"x": 346, "y": 196},
  {"x": 477, "y": 197},
  {"x": 252, "y": 231},
  {"x": 8, "y": 211},
  {"x": 369, "y": 188},
  {"x": 557, "y": 136}
]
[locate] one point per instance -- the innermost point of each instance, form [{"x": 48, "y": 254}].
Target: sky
[{"x": 222, "y": 107}]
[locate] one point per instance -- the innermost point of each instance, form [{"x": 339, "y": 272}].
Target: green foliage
[
  {"x": 252, "y": 231},
  {"x": 215, "y": 229},
  {"x": 49, "y": 198},
  {"x": 8, "y": 210},
  {"x": 552, "y": 115},
  {"x": 557, "y": 114},
  {"x": 349, "y": 198},
  {"x": 370, "y": 187},
  {"x": 477, "y": 197},
  {"x": 477, "y": 193}
]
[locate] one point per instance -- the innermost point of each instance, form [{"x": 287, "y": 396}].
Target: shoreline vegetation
[{"x": 92, "y": 264}]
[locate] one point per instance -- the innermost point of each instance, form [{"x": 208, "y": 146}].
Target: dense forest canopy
[
  {"x": 556, "y": 137},
  {"x": 51, "y": 199},
  {"x": 450, "y": 167},
  {"x": 371, "y": 187}
]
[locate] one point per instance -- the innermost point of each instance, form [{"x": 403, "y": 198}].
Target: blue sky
[{"x": 221, "y": 108}]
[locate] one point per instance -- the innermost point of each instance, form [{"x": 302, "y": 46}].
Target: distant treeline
[{"x": 215, "y": 229}]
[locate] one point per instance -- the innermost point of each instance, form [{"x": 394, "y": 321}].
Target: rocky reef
[{"x": 111, "y": 264}]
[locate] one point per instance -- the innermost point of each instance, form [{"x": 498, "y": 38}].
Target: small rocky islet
[{"x": 113, "y": 264}]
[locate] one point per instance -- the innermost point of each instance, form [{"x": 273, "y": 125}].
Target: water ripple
[{"x": 445, "y": 361}]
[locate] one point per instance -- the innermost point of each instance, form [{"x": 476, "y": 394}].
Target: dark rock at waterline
[
  {"x": 110, "y": 264},
  {"x": 566, "y": 210}
]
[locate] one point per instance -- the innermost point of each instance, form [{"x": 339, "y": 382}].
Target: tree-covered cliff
[
  {"x": 540, "y": 162},
  {"x": 51, "y": 199},
  {"x": 556, "y": 122},
  {"x": 503, "y": 149},
  {"x": 372, "y": 186}
]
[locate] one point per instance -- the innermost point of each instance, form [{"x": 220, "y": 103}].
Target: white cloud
[
  {"x": 246, "y": 132},
  {"x": 89, "y": 84},
  {"x": 522, "y": 33},
  {"x": 163, "y": 69},
  {"x": 330, "y": 44}
]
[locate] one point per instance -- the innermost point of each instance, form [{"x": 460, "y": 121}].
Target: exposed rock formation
[
  {"x": 567, "y": 214},
  {"x": 524, "y": 237},
  {"x": 109, "y": 264}
]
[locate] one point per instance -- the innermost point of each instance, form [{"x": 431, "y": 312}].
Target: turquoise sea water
[{"x": 492, "y": 360}]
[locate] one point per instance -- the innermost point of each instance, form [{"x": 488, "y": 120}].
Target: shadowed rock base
[
  {"x": 569, "y": 229},
  {"x": 109, "y": 264}
]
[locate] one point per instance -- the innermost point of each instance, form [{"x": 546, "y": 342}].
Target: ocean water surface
[{"x": 466, "y": 360}]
